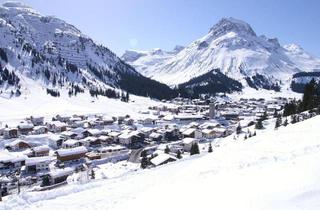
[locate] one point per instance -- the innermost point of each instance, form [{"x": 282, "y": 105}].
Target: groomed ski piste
[{"x": 277, "y": 169}]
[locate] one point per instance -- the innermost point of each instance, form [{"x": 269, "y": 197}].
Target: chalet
[
  {"x": 59, "y": 175},
  {"x": 25, "y": 128},
  {"x": 208, "y": 133},
  {"x": 121, "y": 119},
  {"x": 162, "y": 159},
  {"x": 114, "y": 135},
  {"x": 55, "y": 141},
  {"x": 68, "y": 134},
  {"x": 132, "y": 139},
  {"x": 9, "y": 161},
  {"x": 40, "y": 151},
  {"x": 105, "y": 140},
  {"x": 107, "y": 120},
  {"x": 92, "y": 132},
  {"x": 71, "y": 143},
  {"x": 93, "y": 155},
  {"x": 57, "y": 126},
  {"x": 230, "y": 115},
  {"x": 128, "y": 121},
  {"x": 188, "y": 142},
  {"x": 147, "y": 131},
  {"x": 220, "y": 132},
  {"x": 148, "y": 121},
  {"x": 192, "y": 133},
  {"x": 155, "y": 136},
  {"x": 73, "y": 154},
  {"x": 171, "y": 134},
  {"x": 37, "y": 121},
  {"x": 62, "y": 118},
  {"x": 114, "y": 151},
  {"x": 36, "y": 164},
  {"x": 40, "y": 129},
  {"x": 17, "y": 145},
  {"x": 10, "y": 133},
  {"x": 91, "y": 141}
]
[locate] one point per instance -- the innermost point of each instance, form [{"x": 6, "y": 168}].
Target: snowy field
[
  {"x": 35, "y": 102},
  {"x": 274, "y": 170}
]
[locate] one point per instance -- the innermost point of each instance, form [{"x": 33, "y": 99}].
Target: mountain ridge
[
  {"x": 56, "y": 55},
  {"x": 233, "y": 47}
]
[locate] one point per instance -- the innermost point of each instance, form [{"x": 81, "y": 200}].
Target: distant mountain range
[
  {"x": 233, "y": 47},
  {"x": 46, "y": 51}
]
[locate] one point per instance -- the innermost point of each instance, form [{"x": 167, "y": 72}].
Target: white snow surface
[
  {"x": 277, "y": 169},
  {"x": 231, "y": 46}
]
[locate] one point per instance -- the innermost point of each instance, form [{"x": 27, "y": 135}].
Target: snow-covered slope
[
  {"x": 231, "y": 46},
  {"x": 276, "y": 170},
  {"x": 56, "y": 54}
]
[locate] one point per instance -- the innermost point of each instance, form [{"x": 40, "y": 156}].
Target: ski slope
[{"x": 277, "y": 169}]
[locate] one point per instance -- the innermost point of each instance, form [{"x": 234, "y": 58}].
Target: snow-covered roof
[
  {"x": 58, "y": 123},
  {"x": 10, "y": 157},
  {"x": 72, "y": 151},
  {"x": 189, "y": 140},
  {"x": 114, "y": 133},
  {"x": 189, "y": 131},
  {"x": 95, "y": 131},
  {"x": 36, "y": 160},
  {"x": 112, "y": 147},
  {"x": 161, "y": 158},
  {"x": 15, "y": 142},
  {"x": 208, "y": 131},
  {"x": 41, "y": 148},
  {"x": 25, "y": 125},
  {"x": 61, "y": 172},
  {"x": 70, "y": 142},
  {"x": 155, "y": 135}
]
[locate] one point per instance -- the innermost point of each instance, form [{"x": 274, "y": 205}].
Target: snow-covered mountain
[
  {"x": 233, "y": 47},
  {"x": 57, "y": 55}
]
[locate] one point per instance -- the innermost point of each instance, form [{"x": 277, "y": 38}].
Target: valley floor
[{"x": 277, "y": 169}]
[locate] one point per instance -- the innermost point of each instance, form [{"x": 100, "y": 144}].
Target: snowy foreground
[{"x": 274, "y": 170}]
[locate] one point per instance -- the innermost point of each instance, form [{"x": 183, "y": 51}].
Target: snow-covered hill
[
  {"x": 233, "y": 47},
  {"x": 277, "y": 169},
  {"x": 57, "y": 55}
]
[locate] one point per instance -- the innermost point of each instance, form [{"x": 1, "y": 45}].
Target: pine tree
[
  {"x": 45, "y": 181},
  {"x": 259, "y": 124},
  {"x": 239, "y": 129},
  {"x": 245, "y": 137},
  {"x": 278, "y": 122},
  {"x": 93, "y": 175},
  {"x": 255, "y": 133},
  {"x": 210, "y": 148},
  {"x": 264, "y": 116},
  {"x": 167, "y": 150},
  {"x": 144, "y": 160},
  {"x": 179, "y": 154},
  {"x": 285, "y": 123},
  {"x": 294, "y": 119},
  {"x": 194, "y": 149}
]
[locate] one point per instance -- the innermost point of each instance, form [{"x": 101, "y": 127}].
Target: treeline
[
  {"x": 310, "y": 100},
  {"x": 3, "y": 55},
  {"x": 54, "y": 93},
  {"x": 215, "y": 82},
  {"x": 9, "y": 77},
  {"x": 74, "y": 90}
]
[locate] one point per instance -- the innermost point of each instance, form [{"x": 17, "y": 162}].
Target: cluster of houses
[{"x": 57, "y": 147}]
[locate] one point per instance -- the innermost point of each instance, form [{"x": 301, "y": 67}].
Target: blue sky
[{"x": 146, "y": 24}]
